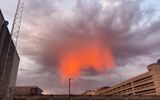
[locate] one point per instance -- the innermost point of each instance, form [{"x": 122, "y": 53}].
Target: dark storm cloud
[{"x": 49, "y": 32}]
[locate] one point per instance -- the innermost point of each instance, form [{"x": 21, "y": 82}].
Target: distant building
[
  {"x": 94, "y": 92},
  {"x": 145, "y": 84},
  {"x": 101, "y": 90},
  {"x": 27, "y": 91},
  {"x": 89, "y": 92},
  {"x": 8, "y": 67}
]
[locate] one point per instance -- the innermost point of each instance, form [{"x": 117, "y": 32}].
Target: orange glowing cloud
[{"x": 83, "y": 56}]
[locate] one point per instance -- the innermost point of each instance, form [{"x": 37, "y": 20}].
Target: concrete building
[
  {"x": 90, "y": 92},
  {"x": 8, "y": 64},
  {"x": 145, "y": 84},
  {"x": 94, "y": 92},
  {"x": 27, "y": 91}
]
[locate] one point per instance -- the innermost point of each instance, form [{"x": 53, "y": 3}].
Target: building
[
  {"x": 89, "y": 92},
  {"x": 101, "y": 90},
  {"x": 27, "y": 91},
  {"x": 145, "y": 84},
  {"x": 8, "y": 61},
  {"x": 94, "y": 92}
]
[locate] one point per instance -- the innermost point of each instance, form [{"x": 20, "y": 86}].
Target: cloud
[{"x": 47, "y": 32}]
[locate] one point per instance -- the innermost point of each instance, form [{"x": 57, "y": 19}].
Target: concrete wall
[
  {"x": 14, "y": 70},
  {"x": 8, "y": 68},
  {"x": 4, "y": 79}
]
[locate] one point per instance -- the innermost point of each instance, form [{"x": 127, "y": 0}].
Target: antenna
[{"x": 17, "y": 21}]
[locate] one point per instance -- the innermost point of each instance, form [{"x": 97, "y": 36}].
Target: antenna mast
[{"x": 17, "y": 21}]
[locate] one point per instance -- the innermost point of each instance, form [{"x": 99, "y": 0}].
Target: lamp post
[{"x": 69, "y": 87}]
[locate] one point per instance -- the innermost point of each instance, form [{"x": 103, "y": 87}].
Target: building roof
[
  {"x": 102, "y": 88},
  {"x": 29, "y": 87}
]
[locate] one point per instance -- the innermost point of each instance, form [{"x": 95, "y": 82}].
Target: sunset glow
[{"x": 91, "y": 55}]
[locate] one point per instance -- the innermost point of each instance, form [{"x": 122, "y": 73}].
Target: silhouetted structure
[
  {"x": 158, "y": 61},
  {"x": 27, "y": 91},
  {"x": 9, "y": 61},
  {"x": 89, "y": 92}
]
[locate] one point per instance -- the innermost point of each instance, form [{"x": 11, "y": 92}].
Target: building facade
[
  {"x": 145, "y": 84},
  {"x": 89, "y": 92},
  {"x": 27, "y": 91},
  {"x": 94, "y": 92},
  {"x": 9, "y": 61}
]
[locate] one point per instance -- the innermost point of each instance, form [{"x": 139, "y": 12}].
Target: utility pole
[{"x": 69, "y": 94}]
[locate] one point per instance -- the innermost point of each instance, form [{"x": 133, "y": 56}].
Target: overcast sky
[{"x": 130, "y": 28}]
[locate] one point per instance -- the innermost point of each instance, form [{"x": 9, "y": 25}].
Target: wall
[{"x": 8, "y": 68}]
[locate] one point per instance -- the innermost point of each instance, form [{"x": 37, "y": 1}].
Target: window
[
  {"x": 142, "y": 80},
  {"x": 146, "y": 91},
  {"x": 144, "y": 86}
]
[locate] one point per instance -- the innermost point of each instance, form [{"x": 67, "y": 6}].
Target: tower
[{"x": 17, "y": 21}]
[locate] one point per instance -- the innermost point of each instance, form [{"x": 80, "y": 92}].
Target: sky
[{"x": 52, "y": 31}]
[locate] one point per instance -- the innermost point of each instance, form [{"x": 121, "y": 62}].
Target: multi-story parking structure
[{"x": 145, "y": 84}]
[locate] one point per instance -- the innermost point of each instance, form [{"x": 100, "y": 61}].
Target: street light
[{"x": 69, "y": 87}]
